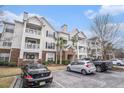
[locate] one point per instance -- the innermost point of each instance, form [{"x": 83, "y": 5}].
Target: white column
[{"x": 23, "y": 41}]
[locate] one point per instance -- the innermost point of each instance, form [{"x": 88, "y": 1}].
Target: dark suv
[{"x": 36, "y": 75}]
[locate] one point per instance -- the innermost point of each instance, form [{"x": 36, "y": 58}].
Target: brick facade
[{"x": 15, "y": 54}]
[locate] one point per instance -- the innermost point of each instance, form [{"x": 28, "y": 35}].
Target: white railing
[
  {"x": 82, "y": 51},
  {"x": 32, "y": 46},
  {"x": 32, "y": 31},
  {"x": 32, "y": 60}
]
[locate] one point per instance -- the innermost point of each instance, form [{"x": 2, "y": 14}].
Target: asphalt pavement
[{"x": 64, "y": 79}]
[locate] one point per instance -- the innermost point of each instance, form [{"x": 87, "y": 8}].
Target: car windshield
[{"x": 36, "y": 66}]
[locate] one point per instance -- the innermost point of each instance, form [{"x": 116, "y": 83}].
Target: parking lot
[{"x": 64, "y": 79}]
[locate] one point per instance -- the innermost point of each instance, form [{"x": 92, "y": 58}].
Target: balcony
[
  {"x": 32, "y": 46},
  {"x": 33, "y": 31},
  {"x": 82, "y": 51}
]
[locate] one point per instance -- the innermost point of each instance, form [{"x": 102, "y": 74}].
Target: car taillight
[
  {"x": 88, "y": 65},
  {"x": 28, "y": 77}
]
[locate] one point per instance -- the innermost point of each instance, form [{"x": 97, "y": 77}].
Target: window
[
  {"x": 9, "y": 30},
  {"x": 47, "y": 33},
  {"x": 4, "y": 56},
  {"x": 74, "y": 63},
  {"x": 50, "y": 34},
  {"x": 81, "y": 63},
  {"x": 50, "y": 45},
  {"x": 7, "y": 44},
  {"x": 50, "y": 57}
]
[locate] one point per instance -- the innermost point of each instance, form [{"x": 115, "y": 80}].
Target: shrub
[
  {"x": 65, "y": 62},
  {"x": 12, "y": 64},
  {"x": 4, "y": 63},
  {"x": 48, "y": 62}
]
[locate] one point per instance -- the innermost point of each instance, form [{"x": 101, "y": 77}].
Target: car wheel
[
  {"x": 98, "y": 69},
  {"x": 68, "y": 69},
  {"x": 83, "y": 72},
  {"x": 118, "y": 64}
]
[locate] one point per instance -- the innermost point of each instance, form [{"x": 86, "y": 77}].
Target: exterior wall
[
  {"x": 94, "y": 49},
  {"x": 17, "y": 38},
  {"x": 81, "y": 52},
  {"x": 63, "y": 35},
  {"x": 6, "y": 36},
  {"x": 45, "y": 39}
]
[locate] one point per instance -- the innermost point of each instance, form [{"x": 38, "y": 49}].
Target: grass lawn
[
  {"x": 55, "y": 68},
  {"x": 9, "y": 71},
  {"x": 6, "y": 82}
]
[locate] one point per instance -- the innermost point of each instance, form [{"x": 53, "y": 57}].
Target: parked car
[
  {"x": 117, "y": 62},
  {"x": 36, "y": 75},
  {"x": 103, "y": 65},
  {"x": 85, "y": 67}
]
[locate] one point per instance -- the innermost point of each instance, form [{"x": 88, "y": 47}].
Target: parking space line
[{"x": 59, "y": 84}]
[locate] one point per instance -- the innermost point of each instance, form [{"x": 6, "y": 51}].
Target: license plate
[{"x": 42, "y": 83}]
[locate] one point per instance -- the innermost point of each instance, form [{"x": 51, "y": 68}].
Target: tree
[
  {"x": 74, "y": 40},
  {"x": 57, "y": 48},
  {"x": 107, "y": 31},
  {"x": 60, "y": 46}
]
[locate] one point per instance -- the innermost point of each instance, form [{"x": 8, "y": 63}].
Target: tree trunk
[
  {"x": 56, "y": 55},
  {"x": 61, "y": 56}
]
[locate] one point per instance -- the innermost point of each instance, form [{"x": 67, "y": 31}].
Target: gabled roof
[
  {"x": 69, "y": 46},
  {"x": 62, "y": 32},
  {"x": 79, "y": 32},
  {"x": 5, "y": 22},
  {"x": 40, "y": 19},
  {"x": 36, "y": 18},
  {"x": 93, "y": 38},
  {"x": 48, "y": 23}
]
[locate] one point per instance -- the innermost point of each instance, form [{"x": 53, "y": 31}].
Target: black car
[
  {"x": 36, "y": 75},
  {"x": 103, "y": 65}
]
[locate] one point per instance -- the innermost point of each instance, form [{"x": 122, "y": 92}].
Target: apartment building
[
  {"x": 94, "y": 48},
  {"x": 33, "y": 38},
  {"x": 81, "y": 45},
  {"x": 30, "y": 39}
]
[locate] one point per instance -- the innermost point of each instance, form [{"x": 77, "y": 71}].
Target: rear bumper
[
  {"x": 91, "y": 70},
  {"x": 36, "y": 82}
]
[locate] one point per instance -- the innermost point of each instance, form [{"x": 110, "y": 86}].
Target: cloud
[
  {"x": 90, "y": 14},
  {"x": 114, "y": 10},
  {"x": 10, "y": 17}
]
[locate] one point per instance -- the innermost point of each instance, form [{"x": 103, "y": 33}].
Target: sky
[{"x": 75, "y": 16}]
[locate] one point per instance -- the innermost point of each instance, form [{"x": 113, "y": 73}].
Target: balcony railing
[
  {"x": 82, "y": 51},
  {"x": 33, "y": 31},
  {"x": 32, "y": 46}
]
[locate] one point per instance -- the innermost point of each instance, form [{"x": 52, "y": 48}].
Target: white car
[
  {"x": 85, "y": 67},
  {"x": 117, "y": 62}
]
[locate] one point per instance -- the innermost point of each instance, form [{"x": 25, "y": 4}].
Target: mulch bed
[{"x": 118, "y": 69}]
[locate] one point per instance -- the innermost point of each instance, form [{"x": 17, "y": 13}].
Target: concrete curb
[{"x": 13, "y": 83}]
